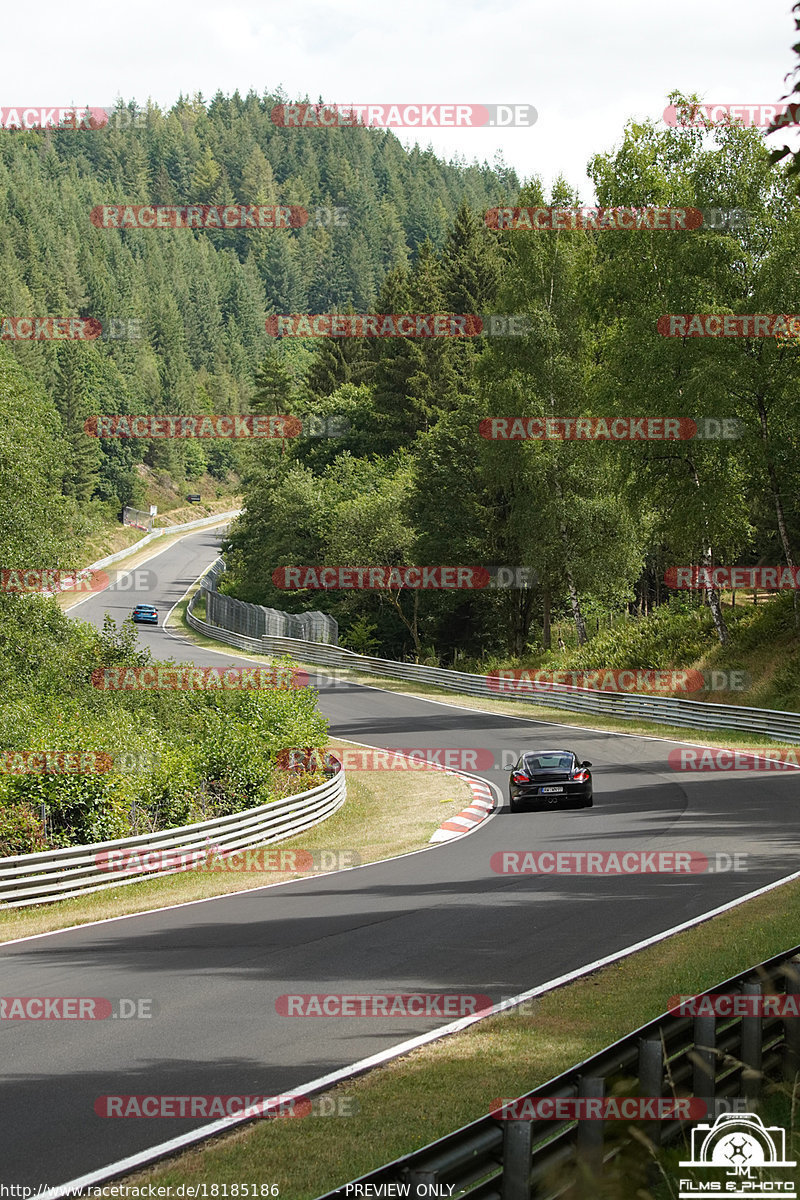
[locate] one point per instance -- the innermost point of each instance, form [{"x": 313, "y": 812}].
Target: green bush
[
  {"x": 159, "y": 759},
  {"x": 21, "y": 831}
]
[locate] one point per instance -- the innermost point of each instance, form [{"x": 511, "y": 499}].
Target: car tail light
[
  {"x": 520, "y": 777},
  {"x": 581, "y": 777}
]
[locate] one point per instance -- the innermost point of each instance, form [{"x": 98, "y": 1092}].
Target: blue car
[{"x": 145, "y": 614}]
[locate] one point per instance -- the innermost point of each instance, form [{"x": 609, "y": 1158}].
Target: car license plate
[{"x": 552, "y": 789}]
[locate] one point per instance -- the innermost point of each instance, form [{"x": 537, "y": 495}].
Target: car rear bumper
[{"x": 573, "y": 794}]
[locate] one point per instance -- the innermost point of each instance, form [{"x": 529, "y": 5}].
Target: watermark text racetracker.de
[
  {"x": 620, "y": 218},
  {"x": 214, "y": 858},
  {"x": 383, "y": 1004},
  {"x": 76, "y": 762},
  {"x": 735, "y": 1004},
  {"x": 210, "y": 1106},
  {"x": 40, "y": 117},
  {"x": 695, "y": 578},
  {"x": 433, "y": 578},
  {"x": 164, "y": 677},
  {"x": 403, "y": 116},
  {"x": 381, "y": 578},
  {"x": 452, "y": 1006},
  {"x": 397, "y": 325},
  {"x": 604, "y": 429},
  {"x": 729, "y": 325},
  {"x": 760, "y": 116},
  {"x": 150, "y": 425},
  {"x": 601, "y": 1108},
  {"x": 650, "y": 681},
  {"x": 52, "y": 580},
  {"x": 616, "y": 862},
  {"x": 77, "y": 1008},
  {"x": 49, "y": 329},
  {"x": 368, "y": 758},
  {"x": 450, "y": 759},
  {"x": 74, "y": 329},
  {"x": 704, "y": 758},
  {"x": 198, "y": 216},
  {"x": 46, "y": 580},
  {"x": 208, "y": 216}
]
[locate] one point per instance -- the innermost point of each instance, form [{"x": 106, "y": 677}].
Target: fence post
[
  {"x": 751, "y": 1053},
  {"x": 427, "y": 1180},
  {"x": 704, "y": 1058},
  {"x": 651, "y": 1080},
  {"x": 790, "y": 969},
  {"x": 589, "y": 1140},
  {"x": 517, "y": 1142}
]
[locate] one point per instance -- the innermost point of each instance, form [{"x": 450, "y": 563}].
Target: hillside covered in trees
[
  {"x": 596, "y": 522},
  {"x": 189, "y": 311},
  {"x": 410, "y": 477},
  {"x": 197, "y": 301}
]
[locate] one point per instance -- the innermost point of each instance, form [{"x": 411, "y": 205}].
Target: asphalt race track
[{"x": 435, "y": 921}]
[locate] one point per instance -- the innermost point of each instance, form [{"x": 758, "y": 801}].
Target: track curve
[{"x": 440, "y": 920}]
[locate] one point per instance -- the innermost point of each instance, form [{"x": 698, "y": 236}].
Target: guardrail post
[
  {"x": 790, "y": 969},
  {"x": 751, "y": 1052},
  {"x": 517, "y": 1143},
  {"x": 589, "y": 1140},
  {"x": 704, "y": 1058},
  {"x": 427, "y": 1180},
  {"x": 651, "y": 1080}
]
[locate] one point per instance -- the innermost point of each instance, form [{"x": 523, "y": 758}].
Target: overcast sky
[{"x": 586, "y": 68}]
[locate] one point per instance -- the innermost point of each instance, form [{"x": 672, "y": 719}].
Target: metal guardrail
[
  {"x": 77, "y": 870},
  {"x": 712, "y": 1058},
  {"x": 626, "y": 706}
]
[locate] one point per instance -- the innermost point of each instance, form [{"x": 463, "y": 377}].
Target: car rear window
[{"x": 549, "y": 762}]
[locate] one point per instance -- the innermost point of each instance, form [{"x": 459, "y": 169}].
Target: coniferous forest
[{"x": 409, "y": 478}]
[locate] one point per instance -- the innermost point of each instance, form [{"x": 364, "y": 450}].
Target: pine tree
[
  {"x": 206, "y": 176},
  {"x": 73, "y": 397},
  {"x": 258, "y": 182},
  {"x": 274, "y": 390}
]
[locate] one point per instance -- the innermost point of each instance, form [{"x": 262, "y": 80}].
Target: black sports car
[{"x": 548, "y": 779}]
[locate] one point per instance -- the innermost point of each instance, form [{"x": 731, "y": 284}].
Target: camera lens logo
[{"x": 735, "y": 1150}]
